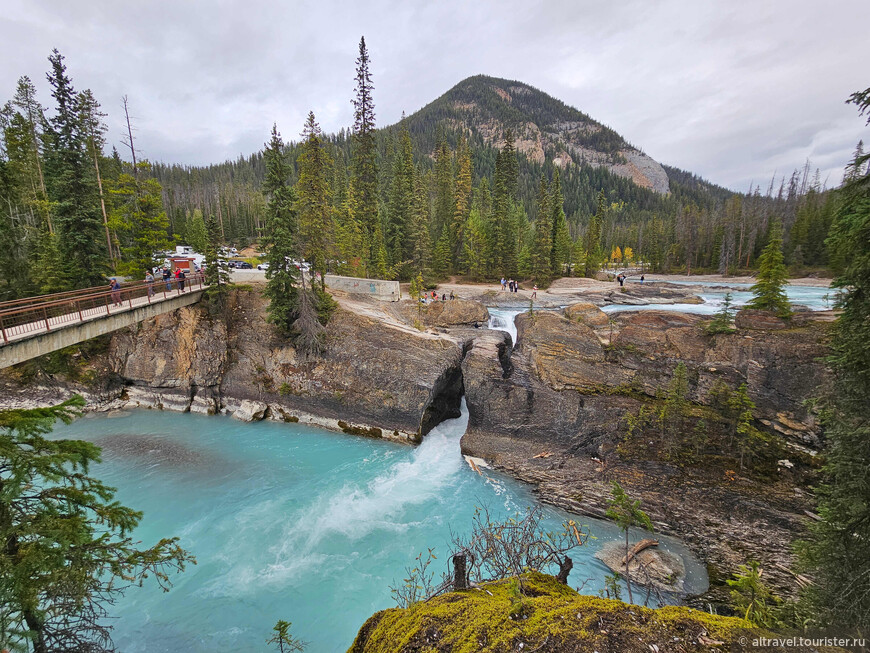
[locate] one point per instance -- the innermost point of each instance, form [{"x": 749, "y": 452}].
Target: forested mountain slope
[
  {"x": 548, "y": 134},
  {"x": 546, "y": 129}
]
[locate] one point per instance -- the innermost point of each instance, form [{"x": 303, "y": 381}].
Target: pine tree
[
  {"x": 768, "y": 291},
  {"x": 840, "y": 549},
  {"x": 73, "y": 187},
  {"x": 67, "y": 552},
  {"x": 560, "y": 254},
  {"x": 365, "y": 170},
  {"x": 280, "y": 235},
  {"x": 313, "y": 199}
]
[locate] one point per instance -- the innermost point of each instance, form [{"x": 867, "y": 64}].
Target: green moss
[{"x": 549, "y": 616}]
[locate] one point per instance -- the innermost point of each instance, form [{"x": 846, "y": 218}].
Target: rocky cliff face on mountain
[{"x": 544, "y": 127}]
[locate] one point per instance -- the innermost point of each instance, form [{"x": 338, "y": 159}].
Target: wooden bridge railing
[{"x": 47, "y": 312}]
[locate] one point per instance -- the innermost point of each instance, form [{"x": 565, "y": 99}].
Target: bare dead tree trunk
[
  {"x": 103, "y": 202},
  {"x": 460, "y": 572},
  {"x": 565, "y": 567},
  {"x": 627, "y": 572},
  {"x": 129, "y": 143}
]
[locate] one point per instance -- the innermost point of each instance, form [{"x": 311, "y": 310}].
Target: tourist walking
[
  {"x": 167, "y": 278},
  {"x": 503, "y": 284},
  {"x": 149, "y": 283},
  {"x": 115, "y": 287},
  {"x": 641, "y": 278},
  {"x": 181, "y": 278},
  {"x": 620, "y": 278},
  {"x": 535, "y": 291}
]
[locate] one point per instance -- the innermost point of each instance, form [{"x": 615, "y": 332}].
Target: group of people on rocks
[
  {"x": 510, "y": 285},
  {"x": 622, "y": 276},
  {"x": 425, "y": 298}
]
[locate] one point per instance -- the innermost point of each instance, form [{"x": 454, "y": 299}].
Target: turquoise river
[{"x": 293, "y": 522}]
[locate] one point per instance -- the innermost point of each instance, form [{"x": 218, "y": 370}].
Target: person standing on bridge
[
  {"x": 181, "y": 277},
  {"x": 149, "y": 282},
  {"x": 115, "y": 287},
  {"x": 167, "y": 278}
]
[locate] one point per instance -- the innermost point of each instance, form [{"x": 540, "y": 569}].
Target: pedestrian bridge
[{"x": 36, "y": 326}]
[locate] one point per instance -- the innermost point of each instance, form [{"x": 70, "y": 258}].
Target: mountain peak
[{"x": 545, "y": 128}]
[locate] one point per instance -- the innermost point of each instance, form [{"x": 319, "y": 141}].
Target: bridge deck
[{"x": 35, "y": 318}]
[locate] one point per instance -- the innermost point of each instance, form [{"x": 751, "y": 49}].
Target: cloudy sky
[{"x": 732, "y": 90}]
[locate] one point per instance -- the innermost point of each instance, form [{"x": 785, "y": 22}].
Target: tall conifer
[
  {"x": 840, "y": 550},
  {"x": 73, "y": 187},
  {"x": 280, "y": 235},
  {"x": 313, "y": 199},
  {"x": 769, "y": 292},
  {"x": 365, "y": 168}
]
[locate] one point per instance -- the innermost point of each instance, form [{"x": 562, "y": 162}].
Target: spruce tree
[
  {"x": 542, "y": 247},
  {"x": 73, "y": 188},
  {"x": 627, "y": 514},
  {"x": 350, "y": 239},
  {"x": 95, "y": 138},
  {"x": 217, "y": 275},
  {"x": 400, "y": 239},
  {"x": 444, "y": 200},
  {"x": 280, "y": 235},
  {"x": 441, "y": 256},
  {"x": 840, "y": 548},
  {"x": 419, "y": 227},
  {"x": 196, "y": 233},
  {"x": 505, "y": 209},
  {"x": 365, "y": 170},
  {"x": 67, "y": 553},
  {"x": 462, "y": 203},
  {"x": 313, "y": 199},
  {"x": 768, "y": 291},
  {"x": 593, "y": 238},
  {"x": 140, "y": 222},
  {"x": 560, "y": 254}
]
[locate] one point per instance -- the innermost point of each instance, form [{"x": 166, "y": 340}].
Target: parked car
[
  {"x": 262, "y": 266},
  {"x": 244, "y": 265}
]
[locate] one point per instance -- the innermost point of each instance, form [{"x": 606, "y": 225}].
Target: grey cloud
[{"x": 731, "y": 90}]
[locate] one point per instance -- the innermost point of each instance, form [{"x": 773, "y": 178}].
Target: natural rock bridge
[{"x": 36, "y": 326}]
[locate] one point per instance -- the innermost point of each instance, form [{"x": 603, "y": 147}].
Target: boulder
[
  {"x": 756, "y": 320},
  {"x": 454, "y": 312},
  {"x": 587, "y": 313},
  {"x": 651, "y": 566},
  {"x": 251, "y": 411}
]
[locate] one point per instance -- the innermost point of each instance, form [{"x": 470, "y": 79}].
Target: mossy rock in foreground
[{"x": 552, "y": 618}]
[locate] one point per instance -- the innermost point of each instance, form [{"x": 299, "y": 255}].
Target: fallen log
[{"x": 637, "y": 548}]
